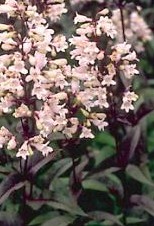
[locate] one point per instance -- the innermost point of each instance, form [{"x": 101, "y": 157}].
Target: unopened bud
[
  {"x": 4, "y": 27},
  {"x": 104, "y": 12},
  {"x": 7, "y": 47}
]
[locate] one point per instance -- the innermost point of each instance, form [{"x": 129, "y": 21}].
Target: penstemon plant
[
  {"x": 43, "y": 91},
  {"x": 52, "y": 85}
]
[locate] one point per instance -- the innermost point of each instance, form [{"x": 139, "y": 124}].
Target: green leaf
[
  {"x": 60, "y": 221},
  {"x": 100, "y": 215},
  {"x": 106, "y": 139},
  {"x": 70, "y": 206},
  {"x": 136, "y": 173},
  {"x": 43, "y": 218},
  {"x": 135, "y": 220},
  {"x": 103, "y": 154},
  {"x": 60, "y": 167},
  {"x": 94, "y": 223},
  {"x": 94, "y": 185}
]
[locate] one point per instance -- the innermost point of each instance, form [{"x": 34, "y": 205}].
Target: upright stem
[
  {"x": 23, "y": 210},
  {"x": 25, "y": 128},
  {"x": 74, "y": 172},
  {"x": 123, "y": 179},
  {"x": 122, "y": 21}
]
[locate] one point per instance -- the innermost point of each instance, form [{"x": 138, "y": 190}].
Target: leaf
[
  {"x": 60, "y": 167},
  {"x": 60, "y": 221},
  {"x": 136, "y": 173},
  {"x": 43, "y": 218},
  {"x": 144, "y": 202},
  {"x": 128, "y": 145},
  {"x": 70, "y": 206},
  {"x": 145, "y": 109},
  {"x": 76, "y": 177},
  {"x": 135, "y": 220},
  {"x": 40, "y": 162},
  {"x": 94, "y": 223},
  {"x": 110, "y": 179},
  {"x": 12, "y": 183},
  {"x": 94, "y": 185},
  {"x": 9, "y": 218},
  {"x": 103, "y": 154},
  {"x": 136, "y": 133},
  {"x": 100, "y": 215},
  {"x": 106, "y": 139},
  {"x": 105, "y": 173}
]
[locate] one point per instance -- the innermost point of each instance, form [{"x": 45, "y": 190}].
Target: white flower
[{"x": 25, "y": 150}]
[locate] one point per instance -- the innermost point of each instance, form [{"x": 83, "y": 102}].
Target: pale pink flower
[
  {"x": 59, "y": 42},
  {"x": 86, "y": 133},
  {"x": 86, "y": 29},
  {"x": 22, "y": 111},
  {"x": 54, "y": 11},
  {"x": 12, "y": 143},
  {"x": 41, "y": 91},
  {"x": 128, "y": 98},
  {"x": 25, "y": 150},
  {"x": 27, "y": 45},
  {"x": 19, "y": 66},
  {"x": 127, "y": 106},
  {"x": 81, "y": 19},
  {"x": 105, "y": 25},
  {"x": 6, "y": 138},
  {"x": 129, "y": 70},
  {"x": 6, "y": 103},
  {"x": 139, "y": 27},
  {"x": 122, "y": 48},
  {"x": 40, "y": 60},
  {"x": 108, "y": 80},
  {"x": 43, "y": 148},
  {"x": 130, "y": 57}
]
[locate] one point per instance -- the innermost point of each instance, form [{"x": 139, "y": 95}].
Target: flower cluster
[
  {"x": 73, "y": 2},
  {"x": 42, "y": 91},
  {"x": 136, "y": 30}
]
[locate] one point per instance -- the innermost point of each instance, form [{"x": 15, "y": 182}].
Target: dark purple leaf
[
  {"x": 143, "y": 202},
  {"x": 128, "y": 145},
  {"x": 12, "y": 183}
]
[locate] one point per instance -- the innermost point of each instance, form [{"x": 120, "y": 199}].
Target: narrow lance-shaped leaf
[
  {"x": 128, "y": 145},
  {"x": 41, "y": 162},
  {"x": 12, "y": 183},
  {"x": 100, "y": 215},
  {"x": 60, "y": 221},
  {"x": 136, "y": 173},
  {"x": 144, "y": 202}
]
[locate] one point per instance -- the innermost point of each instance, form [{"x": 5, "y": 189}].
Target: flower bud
[
  {"x": 12, "y": 144},
  {"x": 4, "y": 27}
]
